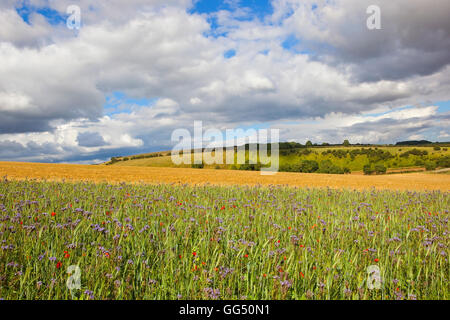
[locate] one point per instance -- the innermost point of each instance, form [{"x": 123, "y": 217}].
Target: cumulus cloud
[
  {"x": 54, "y": 81},
  {"x": 414, "y": 39},
  {"x": 90, "y": 139}
]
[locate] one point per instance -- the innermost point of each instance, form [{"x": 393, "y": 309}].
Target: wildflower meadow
[{"x": 84, "y": 240}]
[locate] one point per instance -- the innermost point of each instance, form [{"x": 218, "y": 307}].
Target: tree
[
  {"x": 198, "y": 165},
  {"x": 430, "y": 165},
  {"x": 309, "y": 143},
  {"x": 346, "y": 143},
  {"x": 326, "y": 166},
  {"x": 444, "y": 162},
  {"x": 380, "y": 169},
  {"x": 368, "y": 169},
  {"x": 309, "y": 166}
]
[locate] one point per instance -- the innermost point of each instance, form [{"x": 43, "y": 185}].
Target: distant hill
[
  {"x": 413, "y": 142},
  {"x": 296, "y": 157}
]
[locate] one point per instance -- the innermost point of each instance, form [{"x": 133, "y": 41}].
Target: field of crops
[
  {"x": 117, "y": 174},
  {"x": 220, "y": 242}
]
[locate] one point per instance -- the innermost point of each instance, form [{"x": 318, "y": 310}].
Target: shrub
[
  {"x": 444, "y": 162},
  {"x": 327, "y": 167},
  {"x": 308, "y": 166},
  {"x": 430, "y": 165},
  {"x": 286, "y": 168},
  {"x": 250, "y": 166},
  {"x": 368, "y": 169},
  {"x": 198, "y": 165},
  {"x": 437, "y": 148},
  {"x": 380, "y": 169}
]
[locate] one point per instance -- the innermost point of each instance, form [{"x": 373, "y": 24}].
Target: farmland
[
  {"x": 351, "y": 158},
  {"x": 161, "y": 241},
  {"x": 155, "y": 175},
  {"x": 220, "y": 234}
]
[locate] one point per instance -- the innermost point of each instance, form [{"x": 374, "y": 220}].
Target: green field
[
  {"x": 354, "y": 158},
  {"x": 204, "y": 242}
]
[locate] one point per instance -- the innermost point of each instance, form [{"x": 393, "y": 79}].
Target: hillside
[{"x": 323, "y": 159}]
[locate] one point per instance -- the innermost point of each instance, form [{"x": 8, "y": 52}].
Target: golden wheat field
[{"x": 116, "y": 174}]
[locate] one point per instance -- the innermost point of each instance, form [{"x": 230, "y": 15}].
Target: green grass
[
  {"x": 249, "y": 242},
  {"x": 317, "y": 154}
]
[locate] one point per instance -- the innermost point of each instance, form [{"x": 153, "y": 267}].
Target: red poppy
[
  {"x": 59, "y": 264},
  {"x": 246, "y": 255},
  {"x": 66, "y": 255},
  {"x": 53, "y": 214},
  {"x": 223, "y": 208},
  {"x": 194, "y": 253},
  {"x": 376, "y": 260},
  {"x": 107, "y": 254},
  {"x": 301, "y": 274}
]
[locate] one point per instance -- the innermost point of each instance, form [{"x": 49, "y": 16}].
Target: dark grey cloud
[
  {"x": 414, "y": 39},
  {"x": 90, "y": 139},
  {"x": 11, "y": 150},
  {"x": 52, "y": 91},
  {"x": 391, "y": 130}
]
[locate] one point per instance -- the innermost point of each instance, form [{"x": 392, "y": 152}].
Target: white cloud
[{"x": 53, "y": 83}]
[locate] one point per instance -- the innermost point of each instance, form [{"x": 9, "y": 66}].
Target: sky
[{"x": 137, "y": 70}]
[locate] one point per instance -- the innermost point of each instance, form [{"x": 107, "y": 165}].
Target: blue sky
[
  {"x": 118, "y": 102},
  {"x": 308, "y": 70},
  {"x": 259, "y": 8},
  {"x": 54, "y": 17}
]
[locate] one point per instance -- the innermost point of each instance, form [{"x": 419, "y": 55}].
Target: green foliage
[
  {"x": 198, "y": 165},
  {"x": 380, "y": 169},
  {"x": 346, "y": 143},
  {"x": 415, "y": 152},
  {"x": 250, "y": 166},
  {"x": 368, "y": 169},
  {"x": 444, "y": 162},
  {"x": 309, "y": 166},
  {"x": 326, "y": 166},
  {"x": 155, "y": 242},
  {"x": 430, "y": 165}
]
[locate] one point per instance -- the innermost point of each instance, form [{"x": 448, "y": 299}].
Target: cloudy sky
[{"x": 136, "y": 70}]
